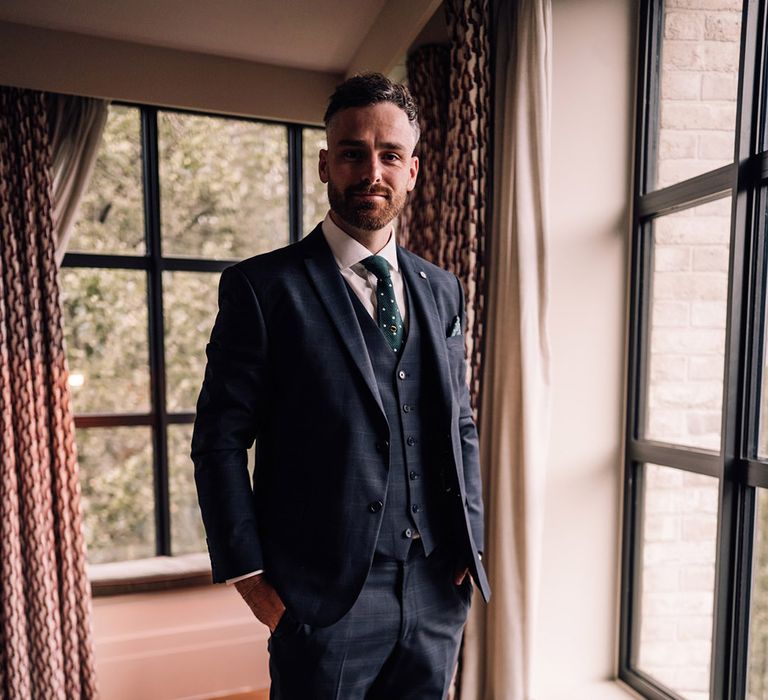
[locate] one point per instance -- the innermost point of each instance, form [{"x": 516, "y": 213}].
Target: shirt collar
[{"x": 349, "y": 252}]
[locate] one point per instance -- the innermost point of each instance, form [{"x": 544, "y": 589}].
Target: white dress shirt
[{"x": 349, "y": 254}]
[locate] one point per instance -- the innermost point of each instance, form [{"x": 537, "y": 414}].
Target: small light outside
[{"x": 76, "y": 379}]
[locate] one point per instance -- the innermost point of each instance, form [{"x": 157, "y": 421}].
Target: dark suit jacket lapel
[
  {"x": 423, "y": 303},
  {"x": 332, "y": 290}
]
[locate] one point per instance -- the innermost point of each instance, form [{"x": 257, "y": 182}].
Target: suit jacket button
[
  {"x": 414, "y": 476},
  {"x": 407, "y": 533},
  {"x": 401, "y": 374},
  {"x": 411, "y": 440},
  {"x": 375, "y": 506}
]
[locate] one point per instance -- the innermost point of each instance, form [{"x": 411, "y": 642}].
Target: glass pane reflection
[{"x": 677, "y": 578}]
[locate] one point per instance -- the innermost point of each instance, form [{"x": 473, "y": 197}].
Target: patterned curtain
[
  {"x": 45, "y": 637},
  {"x": 446, "y": 217}
]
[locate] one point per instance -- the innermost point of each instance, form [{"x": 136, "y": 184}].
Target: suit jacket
[{"x": 288, "y": 367}]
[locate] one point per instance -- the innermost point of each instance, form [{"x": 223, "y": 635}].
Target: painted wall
[
  {"x": 593, "y": 97},
  {"x": 189, "y": 643}
]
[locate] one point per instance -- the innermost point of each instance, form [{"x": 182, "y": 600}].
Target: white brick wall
[
  {"x": 699, "y": 70},
  {"x": 678, "y": 579}
]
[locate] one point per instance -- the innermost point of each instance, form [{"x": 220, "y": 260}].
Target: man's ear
[
  {"x": 322, "y": 166},
  {"x": 413, "y": 169}
]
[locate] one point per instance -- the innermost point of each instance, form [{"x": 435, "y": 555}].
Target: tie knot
[{"x": 378, "y": 266}]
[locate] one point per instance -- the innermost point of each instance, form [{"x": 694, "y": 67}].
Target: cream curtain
[
  {"x": 76, "y": 130},
  {"x": 499, "y": 638}
]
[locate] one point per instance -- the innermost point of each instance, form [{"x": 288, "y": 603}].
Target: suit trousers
[{"x": 399, "y": 641}]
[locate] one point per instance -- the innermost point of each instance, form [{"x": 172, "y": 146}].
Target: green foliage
[
  {"x": 111, "y": 214},
  {"x": 105, "y": 324},
  {"x": 117, "y": 487},
  {"x": 187, "y": 534},
  {"x": 315, "y": 201},
  {"x": 190, "y": 300},
  {"x": 223, "y": 186}
]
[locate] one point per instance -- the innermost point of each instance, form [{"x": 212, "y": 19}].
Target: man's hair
[{"x": 366, "y": 89}]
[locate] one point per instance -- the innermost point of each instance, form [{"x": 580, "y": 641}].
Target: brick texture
[{"x": 698, "y": 87}]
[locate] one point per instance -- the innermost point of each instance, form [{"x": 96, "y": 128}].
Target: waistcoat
[{"x": 413, "y": 501}]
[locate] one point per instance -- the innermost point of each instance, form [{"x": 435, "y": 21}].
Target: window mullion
[
  {"x": 295, "y": 182},
  {"x": 156, "y": 329},
  {"x": 731, "y": 604}
]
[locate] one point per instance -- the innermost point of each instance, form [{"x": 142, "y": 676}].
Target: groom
[{"x": 342, "y": 356}]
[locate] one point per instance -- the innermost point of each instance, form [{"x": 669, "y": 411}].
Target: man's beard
[{"x": 362, "y": 214}]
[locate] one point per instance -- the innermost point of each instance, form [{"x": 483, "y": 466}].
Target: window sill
[
  {"x": 153, "y": 574},
  {"x": 604, "y": 690}
]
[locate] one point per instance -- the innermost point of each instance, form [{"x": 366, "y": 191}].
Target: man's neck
[{"x": 373, "y": 240}]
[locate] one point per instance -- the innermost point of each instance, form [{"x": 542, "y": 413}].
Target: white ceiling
[{"x": 319, "y": 35}]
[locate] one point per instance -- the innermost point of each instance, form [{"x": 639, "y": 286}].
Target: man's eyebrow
[{"x": 388, "y": 146}]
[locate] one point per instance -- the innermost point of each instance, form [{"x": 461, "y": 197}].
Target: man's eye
[
  {"x": 391, "y": 156},
  {"x": 351, "y": 154}
]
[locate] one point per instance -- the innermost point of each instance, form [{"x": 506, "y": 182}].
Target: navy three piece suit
[{"x": 366, "y": 488}]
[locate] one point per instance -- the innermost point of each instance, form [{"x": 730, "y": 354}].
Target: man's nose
[{"x": 371, "y": 170}]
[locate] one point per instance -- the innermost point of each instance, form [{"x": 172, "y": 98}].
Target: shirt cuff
[{"x": 244, "y": 576}]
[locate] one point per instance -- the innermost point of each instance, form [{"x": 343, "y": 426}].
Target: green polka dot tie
[{"x": 388, "y": 313}]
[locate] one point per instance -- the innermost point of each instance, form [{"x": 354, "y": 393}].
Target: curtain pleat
[
  {"x": 45, "y": 633},
  {"x": 76, "y": 127},
  {"x": 500, "y": 638}
]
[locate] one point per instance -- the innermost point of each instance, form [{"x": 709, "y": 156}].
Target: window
[
  {"x": 694, "y": 618},
  {"x": 175, "y": 197}
]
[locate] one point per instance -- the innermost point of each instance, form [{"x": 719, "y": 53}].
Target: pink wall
[{"x": 188, "y": 643}]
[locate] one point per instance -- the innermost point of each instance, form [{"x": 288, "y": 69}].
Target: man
[{"x": 342, "y": 356}]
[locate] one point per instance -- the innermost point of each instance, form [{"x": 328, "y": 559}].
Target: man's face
[{"x": 369, "y": 165}]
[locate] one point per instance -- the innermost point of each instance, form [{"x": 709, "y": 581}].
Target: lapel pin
[{"x": 422, "y": 274}]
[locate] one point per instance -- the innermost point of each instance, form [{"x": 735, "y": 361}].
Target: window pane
[
  {"x": 111, "y": 214},
  {"x": 757, "y": 677},
  {"x": 118, "y": 492},
  {"x": 677, "y": 579},
  {"x": 698, "y": 73},
  {"x": 762, "y": 443},
  {"x": 223, "y": 186},
  {"x": 687, "y": 325},
  {"x": 187, "y": 534},
  {"x": 105, "y": 324},
  {"x": 315, "y": 197},
  {"x": 190, "y": 303}
]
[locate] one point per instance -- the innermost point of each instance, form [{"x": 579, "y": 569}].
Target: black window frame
[
  {"x": 154, "y": 264},
  {"x": 738, "y": 469}
]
